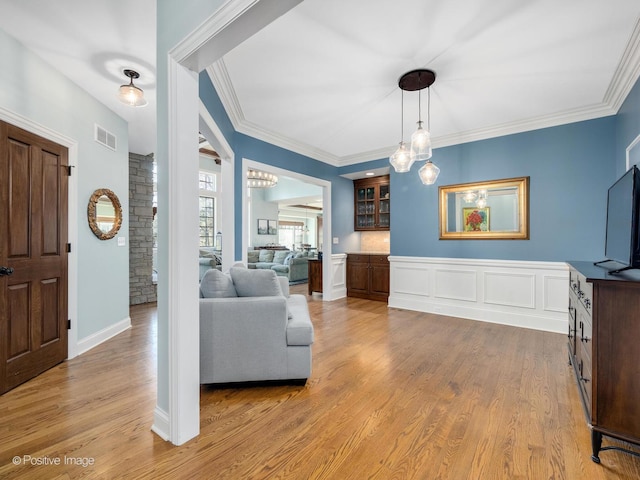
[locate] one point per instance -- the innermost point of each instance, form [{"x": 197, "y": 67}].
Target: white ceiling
[
  {"x": 322, "y": 79},
  {"x": 92, "y": 42}
]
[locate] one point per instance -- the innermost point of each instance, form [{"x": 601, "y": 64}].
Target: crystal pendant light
[
  {"x": 403, "y": 157},
  {"x": 429, "y": 173},
  {"x": 421, "y": 138}
]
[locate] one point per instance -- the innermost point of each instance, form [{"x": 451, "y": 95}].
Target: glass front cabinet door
[{"x": 372, "y": 203}]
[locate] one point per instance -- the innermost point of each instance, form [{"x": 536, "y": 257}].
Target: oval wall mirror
[{"x": 104, "y": 213}]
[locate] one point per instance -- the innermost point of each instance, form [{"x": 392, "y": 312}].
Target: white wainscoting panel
[
  {"x": 554, "y": 298},
  {"x": 456, "y": 284},
  {"x": 338, "y": 276},
  {"x": 510, "y": 289},
  {"x": 518, "y": 293},
  {"x": 411, "y": 280}
]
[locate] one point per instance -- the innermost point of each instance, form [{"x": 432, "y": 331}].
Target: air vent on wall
[{"x": 105, "y": 138}]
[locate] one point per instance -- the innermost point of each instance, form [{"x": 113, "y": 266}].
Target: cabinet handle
[
  {"x": 585, "y": 380},
  {"x": 582, "y": 337}
]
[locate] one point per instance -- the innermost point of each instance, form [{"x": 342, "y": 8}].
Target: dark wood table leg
[{"x": 596, "y": 444}]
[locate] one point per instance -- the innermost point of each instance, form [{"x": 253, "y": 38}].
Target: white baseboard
[
  {"x": 87, "y": 343},
  {"x": 518, "y": 293},
  {"x": 160, "y": 423}
]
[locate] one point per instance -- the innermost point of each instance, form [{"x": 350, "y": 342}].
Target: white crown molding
[
  {"x": 186, "y": 51},
  {"x": 624, "y": 78},
  {"x": 538, "y": 123},
  {"x": 221, "y": 81},
  {"x": 627, "y": 72}
]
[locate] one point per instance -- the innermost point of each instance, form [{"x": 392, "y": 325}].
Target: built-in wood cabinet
[
  {"x": 372, "y": 203},
  {"x": 368, "y": 276},
  {"x": 604, "y": 349},
  {"x": 315, "y": 275}
]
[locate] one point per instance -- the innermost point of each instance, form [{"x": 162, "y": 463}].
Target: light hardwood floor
[{"x": 393, "y": 395}]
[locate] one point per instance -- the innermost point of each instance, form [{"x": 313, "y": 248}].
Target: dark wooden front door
[{"x": 33, "y": 252}]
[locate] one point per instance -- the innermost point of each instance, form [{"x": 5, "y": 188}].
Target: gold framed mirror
[
  {"x": 104, "y": 213},
  {"x": 491, "y": 210}
]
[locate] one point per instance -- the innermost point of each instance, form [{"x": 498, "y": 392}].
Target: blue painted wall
[
  {"x": 627, "y": 127},
  {"x": 570, "y": 169}
]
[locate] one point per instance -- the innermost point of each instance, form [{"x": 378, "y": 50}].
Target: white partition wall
[
  {"x": 338, "y": 275},
  {"x": 523, "y": 294}
]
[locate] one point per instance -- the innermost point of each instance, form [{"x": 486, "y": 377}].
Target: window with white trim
[{"x": 208, "y": 183}]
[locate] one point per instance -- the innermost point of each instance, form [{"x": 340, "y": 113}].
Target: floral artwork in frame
[
  {"x": 475, "y": 219},
  {"x": 273, "y": 227},
  {"x": 263, "y": 228}
]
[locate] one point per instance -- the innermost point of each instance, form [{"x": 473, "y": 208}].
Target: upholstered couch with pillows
[
  {"x": 209, "y": 258},
  {"x": 252, "y": 329},
  {"x": 293, "y": 265}
]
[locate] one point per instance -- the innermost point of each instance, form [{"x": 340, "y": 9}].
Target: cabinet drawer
[
  {"x": 584, "y": 332},
  {"x": 586, "y": 295},
  {"x": 582, "y": 289},
  {"x": 585, "y": 380},
  {"x": 574, "y": 285},
  {"x": 379, "y": 259},
  {"x": 357, "y": 258}
]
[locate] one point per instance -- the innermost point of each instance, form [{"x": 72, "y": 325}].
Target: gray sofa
[
  {"x": 209, "y": 258},
  {"x": 251, "y": 329},
  {"x": 293, "y": 265}
]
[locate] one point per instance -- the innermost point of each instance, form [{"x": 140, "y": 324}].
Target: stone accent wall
[{"x": 141, "y": 286}]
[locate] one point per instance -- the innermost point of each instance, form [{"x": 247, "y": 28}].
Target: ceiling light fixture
[
  {"x": 129, "y": 94},
  {"x": 259, "y": 179},
  {"x": 403, "y": 157},
  {"x": 420, "y": 149}
]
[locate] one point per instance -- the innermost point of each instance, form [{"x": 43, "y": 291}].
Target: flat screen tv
[{"x": 622, "y": 243}]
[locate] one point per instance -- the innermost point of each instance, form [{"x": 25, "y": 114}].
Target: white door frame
[{"x": 327, "y": 271}]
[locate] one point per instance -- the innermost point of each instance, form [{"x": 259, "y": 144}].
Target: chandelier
[
  {"x": 259, "y": 179},
  {"x": 420, "y": 149}
]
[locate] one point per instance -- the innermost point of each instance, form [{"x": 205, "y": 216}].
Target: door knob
[{"x": 6, "y": 271}]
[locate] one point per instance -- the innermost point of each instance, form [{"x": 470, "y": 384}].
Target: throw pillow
[
  {"x": 217, "y": 258},
  {"x": 265, "y": 256},
  {"x": 255, "y": 283},
  {"x": 279, "y": 256},
  {"x": 215, "y": 284},
  {"x": 287, "y": 260}
]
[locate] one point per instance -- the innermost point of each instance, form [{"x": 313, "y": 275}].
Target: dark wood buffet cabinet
[
  {"x": 604, "y": 349},
  {"x": 368, "y": 276}
]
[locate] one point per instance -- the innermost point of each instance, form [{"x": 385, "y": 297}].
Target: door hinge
[
  {"x": 68, "y": 167},
  {"x": 69, "y": 324},
  {"x": 68, "y": 248}
]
